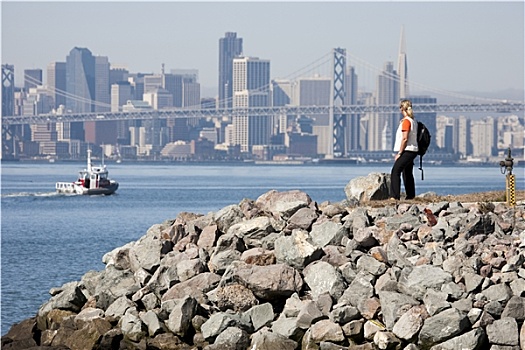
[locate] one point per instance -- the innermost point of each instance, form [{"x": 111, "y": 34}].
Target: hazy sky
[{"x": 453, "y": 46}]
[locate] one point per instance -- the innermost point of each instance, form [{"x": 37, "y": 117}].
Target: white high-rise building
[
  {"x": 251, "y": 88},
  {"x": 402, "y": 67},
  {"x": 121, "y": 93}
]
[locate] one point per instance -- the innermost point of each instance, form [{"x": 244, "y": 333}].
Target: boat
[{"x": 94, "y": 180}]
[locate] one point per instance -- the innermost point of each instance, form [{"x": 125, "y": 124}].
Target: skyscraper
[
  {"x": 80, "y": 80},
  {"x": 229, "y": 47},
  {"x": 32, "y": 78},
  {"x": 251, "y": 88},
  {"x": 316, "y": 92},
  {"x": 352, "y": 120},
  {"x": 102, "y": 86},
  {"x": 402, "y": 67},
  {"x": 382, "y": 126},
  {"x": 56, "y": 82}
]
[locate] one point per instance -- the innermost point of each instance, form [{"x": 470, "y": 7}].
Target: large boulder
[{"x": 374, "y": 186}]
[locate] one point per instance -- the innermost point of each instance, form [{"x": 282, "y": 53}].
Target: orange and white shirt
[{"x": 410, "y": 125}]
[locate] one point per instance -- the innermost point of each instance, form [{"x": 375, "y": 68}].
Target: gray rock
[
  {"x": 394, "y": 305},
  {"x": 88, "y": 314},
  {"x": 266, "y": 282},
  {"x": 293, "y": 306},
  {"x": 152, "y": 322},
  {"x": 266, "y": 340},
  {"x": 302, "y": 219},
  {"x": 70, "y": 298},
  {"x": 196, "y": 287},
  {"x": 499, "y": 292},
  {"x": 473, "y": 340},
  {"x": 503, "y": 332},
  {"x": 443, "y": 326},
  {"x": 374, "y": 186},
  {"x": 218, "y": 322},
  {"x": 472, "y": 282},
  {"x": 326, "y": 330},
  {"x": 208, "y": 238},
  {"x": 344, "y": 314},
  {"x": 515, "y": 308},
  {"x": 410, "y": 323},
  {"x": 252, "y": 231},
  {"x": 371, "y": 265},
  {"x": 234, "y": 338},
  {"x": 321, "y": 277},
  {"x": 365, "y": 236},
  {"x": 131, "y": 326},
  {"x": 287, "y": 327},
  {"x": 296, "y": 250},
  {"x": 228, "y": 216},
  {"x": 417, "y": 280},
  {"x": 435, "y": 301},
  {"x": 187, "y": 269},
  {"x": 283, "y": 204},
  {"x": 386, "y": 340},
  {"x": 359, "y": 289},
  {"x": 308, "y": 314},
  {"x": 145, "y": 253},
  {"x": 181, "y": 315},
  {"x": 327, "y": 233},
  {"x": 220, "y": 261},
  {"x": 261, "y": 315},
  {"x": 118, "y": 308}
]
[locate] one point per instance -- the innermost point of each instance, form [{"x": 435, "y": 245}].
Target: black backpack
[{"x": 423, "y": 142}]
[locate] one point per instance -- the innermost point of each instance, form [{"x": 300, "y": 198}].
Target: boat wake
[{"x": 35, "y": 194}]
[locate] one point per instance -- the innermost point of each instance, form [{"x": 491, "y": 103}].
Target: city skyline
[{"x": 481, "y": 56}]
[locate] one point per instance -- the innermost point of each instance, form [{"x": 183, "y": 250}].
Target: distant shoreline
[{"x": 426, "y": 164}]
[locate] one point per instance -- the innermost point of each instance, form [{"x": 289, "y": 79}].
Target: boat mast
[{"x": 89, "y": 160}]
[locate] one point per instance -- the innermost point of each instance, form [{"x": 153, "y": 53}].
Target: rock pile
[{"x": 284, "y": 272}]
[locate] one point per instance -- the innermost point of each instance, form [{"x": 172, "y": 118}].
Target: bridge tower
[
  {"x": 337, "y": 98},
  {"x": 8, "y": 109}
]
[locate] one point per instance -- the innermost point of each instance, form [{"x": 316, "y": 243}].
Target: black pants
[{"x": 403, "y": 165}]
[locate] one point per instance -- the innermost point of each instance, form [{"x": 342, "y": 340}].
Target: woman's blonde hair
[{"x": 406, "y": 105}]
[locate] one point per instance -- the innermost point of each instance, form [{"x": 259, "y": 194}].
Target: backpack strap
[{"x": 421, "y": 166}]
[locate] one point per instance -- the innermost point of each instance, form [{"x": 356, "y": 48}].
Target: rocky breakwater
[{"x": 284, "y": 272}]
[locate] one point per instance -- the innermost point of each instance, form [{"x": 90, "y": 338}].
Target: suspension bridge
[{"x": 337, "y": 110}]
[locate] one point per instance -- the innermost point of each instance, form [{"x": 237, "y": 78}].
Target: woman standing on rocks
[{"x": 406, "y": 148}]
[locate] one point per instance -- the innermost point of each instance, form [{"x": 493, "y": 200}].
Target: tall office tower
[
  {"x": 251, "y": 88},
  {"x": 102, "y": 86},
  {"x": 56, "y": 82},
  {"x": 482, "y": 137},
  {"x": 32, "y": 78},
  {"x": 402, "y": 67},
  {"x": 120, "y": 94},
  {"x": 316, "y": 92},
  {"x": 152, "y": 82},
  {"x": 282, "y": 94},
  {"x": 117, "y": 74},
  {"x": 171, "y": 83},
  {"x": 191, "y": 89},
  {"x": 80, "y": 81},
  {"x": 37, "y": 101},
  {"x": 352, "y": 120},
  {"x": 461, "y": 142},
  {"x": 229, "y": 47},
  {"x": 382, "y": 126},
  {"x": 159, "y": 98}
]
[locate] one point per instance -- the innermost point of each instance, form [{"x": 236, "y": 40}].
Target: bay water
[{"x": 49, "y": 239}]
